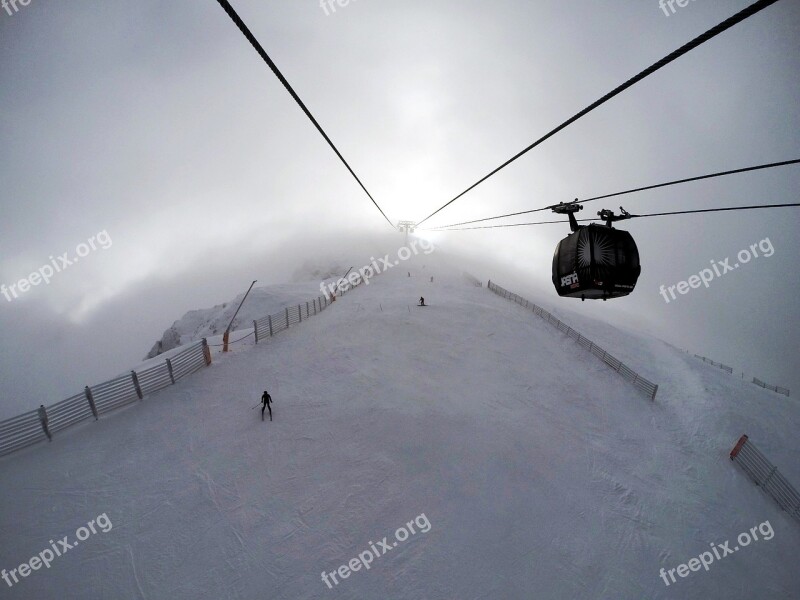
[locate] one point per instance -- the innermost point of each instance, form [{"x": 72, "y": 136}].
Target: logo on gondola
[
  {"x": 569, "y": 279},
  {"x": 600, "y": 249}
]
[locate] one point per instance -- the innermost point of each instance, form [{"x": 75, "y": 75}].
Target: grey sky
[{"x": 158, "y": 123}]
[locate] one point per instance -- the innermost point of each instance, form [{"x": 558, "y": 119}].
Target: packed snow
[{"x": 525, "y": 467}]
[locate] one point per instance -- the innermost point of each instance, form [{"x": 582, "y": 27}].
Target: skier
[
  {"x": 266, "y": 399},
  {"x": 421, "y": 301}
]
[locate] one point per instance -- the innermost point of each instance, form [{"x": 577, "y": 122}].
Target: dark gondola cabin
[{"x": 595, "y": 261}]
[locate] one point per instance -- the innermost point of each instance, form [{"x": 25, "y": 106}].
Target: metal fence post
[
  {"x": 136, "y": 385},
  {"x": 299, "y": 313},
  {"x": 90, "y": 398},
  {"x": 287, "y": 317},
  {"x": 171, "y": 374}
]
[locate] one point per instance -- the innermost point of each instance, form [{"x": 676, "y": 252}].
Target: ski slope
[
  {"x": 541, "y": 473},
  {"x": 210, "y": 322}
]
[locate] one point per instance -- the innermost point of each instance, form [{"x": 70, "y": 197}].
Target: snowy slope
[
  {"x": 541, "y": 472},
  {"x": 208, "y": 322}
]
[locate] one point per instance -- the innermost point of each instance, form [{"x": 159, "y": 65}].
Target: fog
[{"x": 157, "y": 125}]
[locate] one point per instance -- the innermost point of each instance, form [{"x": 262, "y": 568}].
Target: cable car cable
[
  {"x": 640, "y": 189},
  {"x": 714, "y": 31},
  {"x": 254, "y": 42},
  {"x": 678, "y": 212},
  {"x": 706, "y": 210}
]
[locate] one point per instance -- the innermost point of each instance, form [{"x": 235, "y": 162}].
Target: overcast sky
[{"x": 156, "y": 125}]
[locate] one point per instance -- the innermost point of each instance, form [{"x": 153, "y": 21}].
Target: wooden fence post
[
  {"x": 171, "y": 374},
  {"x": 136, "y": 385},
  {"x": 299, "y": 313},
  {"x": 90, "y": 398},
  {"x": 269, "y": 318},
  {"x": 43, "y": 421},
  {"x": 206, "y": 352},
  {"x": 255, "y": 330},
  {"x": 287, "y": 317}
]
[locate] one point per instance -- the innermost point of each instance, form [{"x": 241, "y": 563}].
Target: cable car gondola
[{"x": 595, "y": 261}]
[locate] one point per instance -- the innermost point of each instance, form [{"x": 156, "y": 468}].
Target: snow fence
[
  {"x": 40, "y": 424},
  {"x": 766, "y": 476},
  {"x": 268, "y": 326},
  {"x": 272, "y": 324},
  {"x": 648, "y": 388},
  {"x": 775, "y": 388}
]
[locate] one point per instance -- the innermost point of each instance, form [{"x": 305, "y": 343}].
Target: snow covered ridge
[
  {"x": 46, "y": 556},
  {"x": 648, "y": 388},
  {"x": 209, "y": 322}
]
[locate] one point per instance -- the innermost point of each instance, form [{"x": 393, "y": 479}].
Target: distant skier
[
  {"x": 431, "y": 278},
  {"x": 266, "y": 399},
  {"x": 421, "y": 301}
]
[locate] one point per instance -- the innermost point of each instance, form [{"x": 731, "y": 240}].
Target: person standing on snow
[
  {"x": 266, "y": 399},
  {"x": 421, "y": 301}
]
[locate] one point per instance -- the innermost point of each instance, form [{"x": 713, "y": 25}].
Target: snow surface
[
  {"x": 208, "y": 322},
  {"x": 543, "y": 474}
]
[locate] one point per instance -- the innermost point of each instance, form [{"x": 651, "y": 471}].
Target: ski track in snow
[{"x": 542, "y": 472}]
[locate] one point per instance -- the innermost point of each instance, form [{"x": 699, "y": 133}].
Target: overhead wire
[
  {"x": 677, "y": 212},
  {"x": 711, "y": 33},
  {"x": 226, "y": 6},
  {"x": 631, "y": 191}
]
